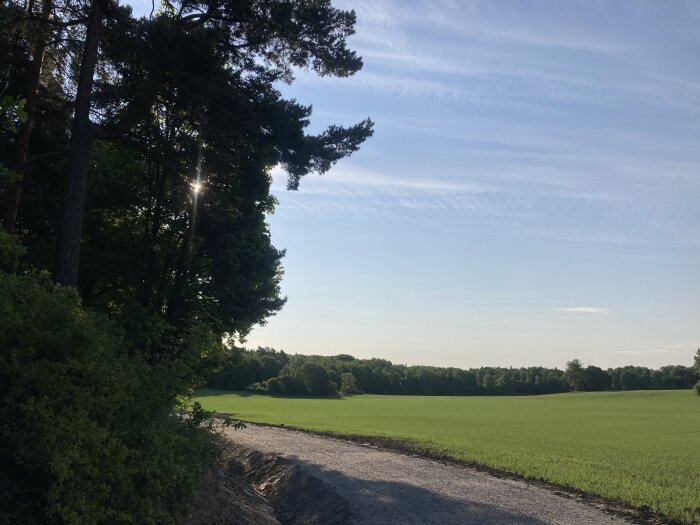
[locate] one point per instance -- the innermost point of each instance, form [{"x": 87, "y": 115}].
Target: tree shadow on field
[
  {"x": 329, "y": 397},
  {"x": 390, "y": 502},
  {"x": 215, "y": 392}
]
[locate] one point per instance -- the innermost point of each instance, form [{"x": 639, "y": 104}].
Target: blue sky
[{"x": 530, "y": 195}]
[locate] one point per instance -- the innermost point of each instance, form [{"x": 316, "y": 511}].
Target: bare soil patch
[{"x": 248, "y": 487}]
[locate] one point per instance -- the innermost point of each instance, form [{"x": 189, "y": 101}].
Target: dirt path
[{"x": 383, "y": 487}]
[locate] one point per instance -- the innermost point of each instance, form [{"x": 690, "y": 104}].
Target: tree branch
[
  {"x": 117, "y": 14},
  {"x": 50, "y": 21},
  {"x": 194, "y": 21}
]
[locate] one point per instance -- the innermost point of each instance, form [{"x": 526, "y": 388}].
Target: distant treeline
[{"x": 274, "y": 372}]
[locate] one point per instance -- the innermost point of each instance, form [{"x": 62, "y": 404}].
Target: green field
[{"x": 641, "y": 448}]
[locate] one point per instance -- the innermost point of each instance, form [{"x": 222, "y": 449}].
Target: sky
[{"x": 530, "y": 195}]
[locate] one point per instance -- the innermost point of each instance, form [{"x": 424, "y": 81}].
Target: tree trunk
[
  {"x": 70, "y": 227},
  {"x": 151, "y": 235},
  {"x": 176, "y": 300},
  {"x": 25, "y": 130}
]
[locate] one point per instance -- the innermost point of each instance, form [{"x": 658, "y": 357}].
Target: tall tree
[
  {"x": 575, "y": 375},
  {"x": 70, "y": 227},
  {"x": 697, "y": 369},
  {"x": 236, "y": 45}
]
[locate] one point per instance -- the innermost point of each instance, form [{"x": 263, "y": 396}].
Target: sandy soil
[{"x": 385, "y": 487}]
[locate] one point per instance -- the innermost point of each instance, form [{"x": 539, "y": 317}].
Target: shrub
[
  {"x": 10, "y": 252},
  {"x": 286, "y": 384},
  {"x": 697, "y": 388},
  {"x": 87, "y": 432}
]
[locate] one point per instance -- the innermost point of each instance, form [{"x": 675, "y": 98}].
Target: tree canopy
[
  {"x": 275, "y": 372},
  {"x": 159, "y": 103}
]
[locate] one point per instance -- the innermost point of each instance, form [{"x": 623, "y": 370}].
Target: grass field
[{"x": 641, "y": 448}]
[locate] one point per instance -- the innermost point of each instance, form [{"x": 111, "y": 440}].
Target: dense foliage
[
  {"x": 268, "y": 371},
  {"x": 135, "y": 160},
  {"x": 85, "y": 433}
]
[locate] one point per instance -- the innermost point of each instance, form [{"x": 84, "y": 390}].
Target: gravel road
[{"x": 383, "y": 487}]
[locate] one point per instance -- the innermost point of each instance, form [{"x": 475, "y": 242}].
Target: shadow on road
[{"x": 392, "y": 502}]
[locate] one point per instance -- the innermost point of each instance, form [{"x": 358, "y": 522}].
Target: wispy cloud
[
  {"x": 342, "y": 180},
  {"x": 525, "y": 201},
  {"x": 521, "y": 59},
  {"x": 585, "y": 310},
  {"x": 678, "y": 348},
  {"x": 551, "y": 115},
  {"x": 681, "y": 349},
  {"x": 447, "y": 91},
  {"x": 351, "y": 190}
]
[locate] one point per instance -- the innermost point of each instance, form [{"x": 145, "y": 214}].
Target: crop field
[{"x": 641, "y": 448}]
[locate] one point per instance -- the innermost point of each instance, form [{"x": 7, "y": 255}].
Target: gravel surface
[{"x": 383, "y": 487}]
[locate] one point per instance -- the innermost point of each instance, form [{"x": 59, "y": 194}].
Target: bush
[
  {"x": 10, "y": 252},
  {"x": 286, "y": 384},
  {"x": 697, "y": 388},
  {"x": 87, "y": 432}
]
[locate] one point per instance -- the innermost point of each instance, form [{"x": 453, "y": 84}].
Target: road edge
[{"x": 641, "y": 515}]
